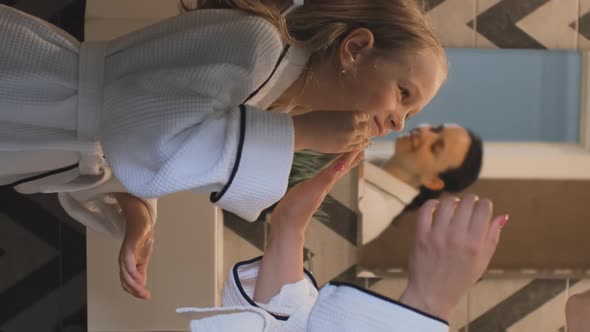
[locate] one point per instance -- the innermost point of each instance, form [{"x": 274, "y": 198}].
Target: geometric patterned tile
[
  {"x": 450, "y": 20},
  {"x": 497, "y": 20},
  {"x": 331, "y": 253},
  {"x": 526, "y": 308},
  {"x": 25, "y": 253},
  {"x": 550, "y": 24},
  {"x": 43, "y": 269},
  {"x": 584, "y": 25},
  {"x": 547, "y": 317},
  {"x": 487, "y": 293}
]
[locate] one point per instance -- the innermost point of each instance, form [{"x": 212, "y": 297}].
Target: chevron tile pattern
[
  {"x": 42, "y": 284},
  {"x": 42, "y": 250},
  {"x": 583, "y": 25},
  {"x": 538, "y": 24}
]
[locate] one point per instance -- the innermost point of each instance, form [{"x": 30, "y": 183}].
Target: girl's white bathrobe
[
  {"x": 301, "y": 307},
  {"x": 180, "y": 105}
]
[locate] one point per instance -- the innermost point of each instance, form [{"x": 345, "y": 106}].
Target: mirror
[{"x": 524, "y": 101}]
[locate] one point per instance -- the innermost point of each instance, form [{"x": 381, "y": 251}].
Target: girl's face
[{"x": 390, "y": 88}]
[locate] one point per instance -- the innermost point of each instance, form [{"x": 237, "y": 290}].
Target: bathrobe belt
[{"x": 89, "y": 105}]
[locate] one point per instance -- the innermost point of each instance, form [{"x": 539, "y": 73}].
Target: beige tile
[
  {"x": 550, "y": 24},
  {"x": 236, "y": 249},
  {"x": 346, "y": 190},
  {"x": 579, "y": 287},
  {"x": 393, "y": 288},
  {"x": 488, "y": 293},
  {"x": 450, "y": 20},
  {"x": 332, "y": 254},
  {"x": 547, "y": 318}
]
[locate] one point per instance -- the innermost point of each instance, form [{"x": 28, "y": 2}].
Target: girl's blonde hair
[{"x": 321, "y": 25}]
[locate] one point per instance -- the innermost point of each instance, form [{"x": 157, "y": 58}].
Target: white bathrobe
[
  {"x": 299, "y": 307},
  {"x": 385, "y": 197},
  {"x": 165, "y": 109}
]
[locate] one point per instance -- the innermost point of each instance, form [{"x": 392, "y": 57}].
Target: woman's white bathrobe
[
  {"x": 300, "y": 307},
  {"x": 385, "y": 197},
  {"x": 165, "y": 109}
]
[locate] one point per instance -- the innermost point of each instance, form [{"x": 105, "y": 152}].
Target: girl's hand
[
  {"x": 136, "y": 250},
  {"x": 332, "y": 131}
]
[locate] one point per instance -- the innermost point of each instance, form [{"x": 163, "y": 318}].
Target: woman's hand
[
  {"x": 455, "y": 242},
  {"x": 577, "y": 312},
  {"x": 136, "y": 250},
  {"x": 332, "y": 131},
  {"x": 282, "y": 263}
]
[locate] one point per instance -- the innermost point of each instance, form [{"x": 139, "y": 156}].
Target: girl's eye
[{"x": 405, "y": 93}]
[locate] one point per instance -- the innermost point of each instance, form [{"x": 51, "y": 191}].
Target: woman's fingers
[
  {"x": 464, "y": 212},
  {"x": 425, "y": 219},
  {"x": 482, "y": 214},
  {"x": 494, "y": 232},
  {"x": 444, "y": 214}
]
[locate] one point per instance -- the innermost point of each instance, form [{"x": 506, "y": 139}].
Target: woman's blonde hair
[{"x": 321, "y": 25}]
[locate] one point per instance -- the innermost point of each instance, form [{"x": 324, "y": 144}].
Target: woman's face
[
  {"x": 427, "y": 151},
  {"x": 391, "y": 89}
]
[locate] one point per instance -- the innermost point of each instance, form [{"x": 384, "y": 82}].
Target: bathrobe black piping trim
[
  {"x": 216, "y": 196},
  {"x": 387, "y": 299},
  {"x": 281, "y": 57},
  {"x": 39, "y": 176},
  {"x": 248, "y": 299}
]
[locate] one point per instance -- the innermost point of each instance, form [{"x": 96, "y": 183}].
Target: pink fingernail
[
  {"x": 339, "y": 167},
  {"x": 504, "y": 221}
]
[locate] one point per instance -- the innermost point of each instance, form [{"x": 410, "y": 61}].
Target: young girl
[{"x": 200, "y": 102}]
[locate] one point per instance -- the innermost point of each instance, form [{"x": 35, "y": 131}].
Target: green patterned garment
[{"x": 306, "y": 164}]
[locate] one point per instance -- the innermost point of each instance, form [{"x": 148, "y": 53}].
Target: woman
[
  {"x": 455, "y": 241},
  {"x": 427, "y": 162}
]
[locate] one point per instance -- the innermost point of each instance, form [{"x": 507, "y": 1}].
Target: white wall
[{"x": 183, "y": 270}]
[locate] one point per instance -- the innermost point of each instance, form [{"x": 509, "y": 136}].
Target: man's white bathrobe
[
  {"x": 301, "y": 307},
  {"x": 180, "y": 105}
]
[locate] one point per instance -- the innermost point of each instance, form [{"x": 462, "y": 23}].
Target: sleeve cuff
[
  {"x": 382, "y": 313},
  {"x": 263, "y": 163},
  {"x": 239, "y": 290},
  {"x": 97, "y": 208}
]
